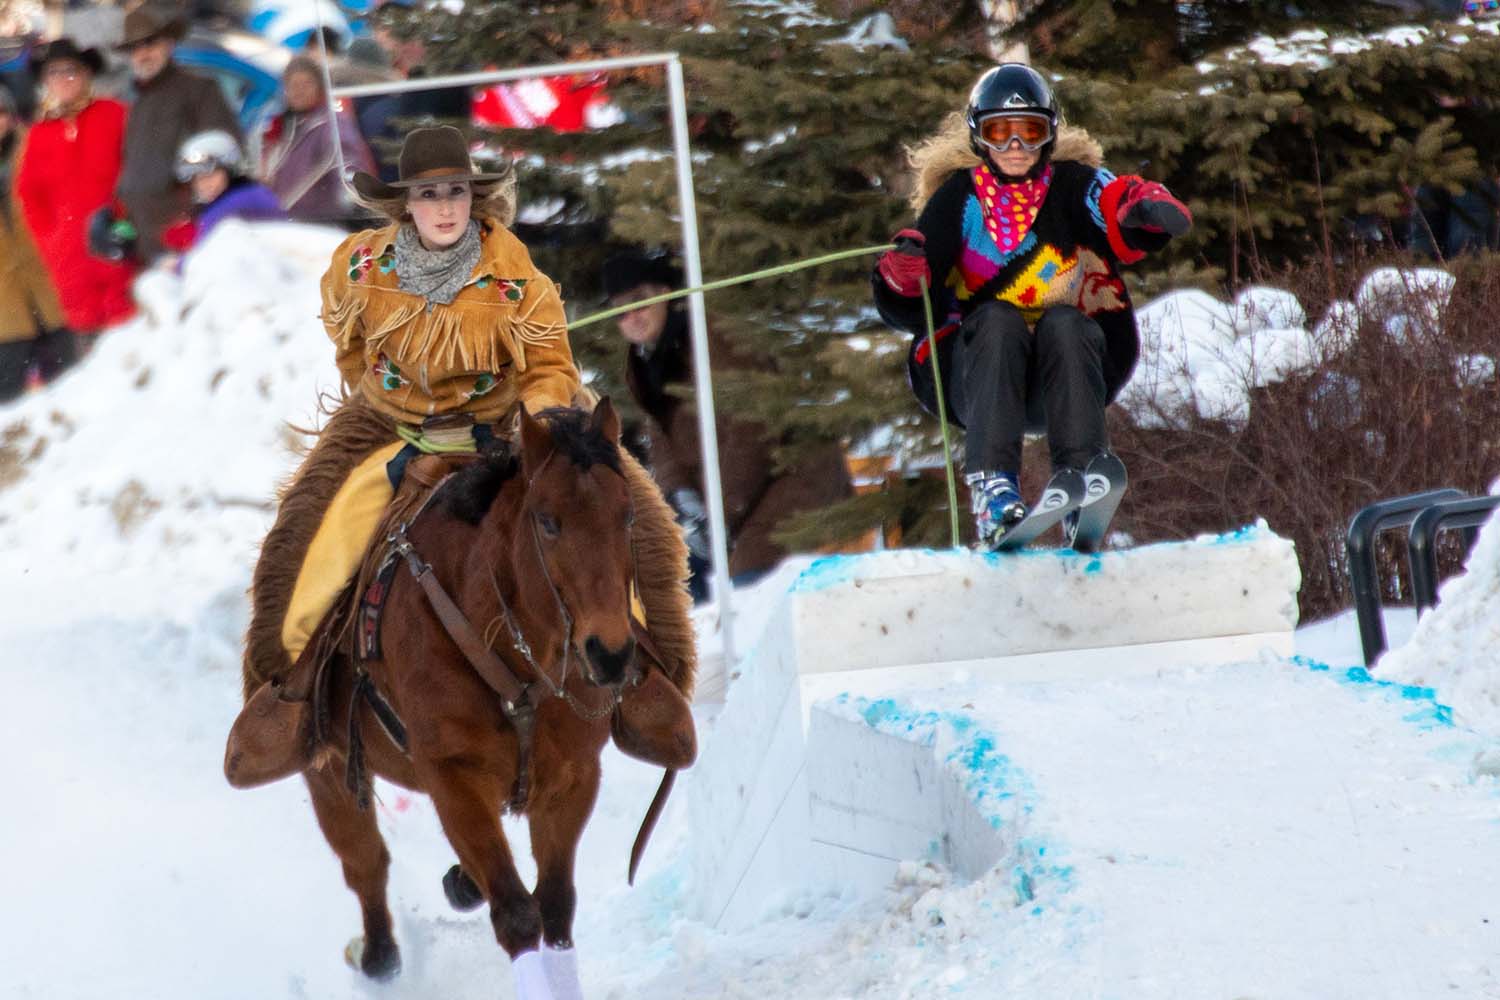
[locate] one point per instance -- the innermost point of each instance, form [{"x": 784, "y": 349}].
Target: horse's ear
[
  {"x": 606, "y": 421},
  {"x": 536, "y": 440}
]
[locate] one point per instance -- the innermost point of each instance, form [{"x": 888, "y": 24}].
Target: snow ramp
[{"x": 1202, "y": 816}]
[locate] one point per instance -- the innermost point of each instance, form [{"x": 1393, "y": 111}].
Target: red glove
[
  {"x": 1149, "y": 206},
  {"x": 180, "y": 236},
  {"x": 905, "y": 268}
]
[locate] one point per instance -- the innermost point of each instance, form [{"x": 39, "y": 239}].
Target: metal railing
[
  {"x": 1364, "y": 573},
  {"x": 1466, "y": 514}
]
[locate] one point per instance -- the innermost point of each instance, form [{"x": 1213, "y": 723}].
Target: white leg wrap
[
  {"x": 562, "y": 972},
  {"x": 531, "y": 977}
]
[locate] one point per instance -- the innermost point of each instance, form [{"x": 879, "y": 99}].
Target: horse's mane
[
  {"x": 573, "y": 435},
  {"x": 471, "y": 492}
]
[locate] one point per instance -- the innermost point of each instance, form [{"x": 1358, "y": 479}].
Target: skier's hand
[
  {"x": 692, "y": 518},
  {"x": 905, "y": 268},
  {"x": 1150, "y": 207}
]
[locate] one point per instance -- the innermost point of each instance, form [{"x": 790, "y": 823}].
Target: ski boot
[{"x": 996, "y": 505}]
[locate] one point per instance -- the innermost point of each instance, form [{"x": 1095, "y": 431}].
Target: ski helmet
[
  {"x": 207, "y": 151},
  {"x": 1015, "y": 88}
]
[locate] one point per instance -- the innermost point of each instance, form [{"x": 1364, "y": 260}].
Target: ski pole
[
  {"x": 937, "y": 378},
  {"x": 709, "y": 286}
]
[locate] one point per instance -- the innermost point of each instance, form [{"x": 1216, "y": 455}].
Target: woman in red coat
[{"x": 67, "y": 172}]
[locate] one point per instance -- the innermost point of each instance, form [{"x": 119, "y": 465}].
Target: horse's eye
[{"x": 548, "y": 524}]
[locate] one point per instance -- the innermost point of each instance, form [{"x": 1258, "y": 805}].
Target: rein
[{"x": 516, "y": 696}]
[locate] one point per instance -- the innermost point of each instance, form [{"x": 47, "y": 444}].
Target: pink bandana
[{"x": 1009, "y": 207}]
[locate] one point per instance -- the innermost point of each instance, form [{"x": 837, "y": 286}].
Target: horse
[{"x": 535, "y": 548}]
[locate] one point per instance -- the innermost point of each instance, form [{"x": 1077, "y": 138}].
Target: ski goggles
[
  {"x": 1474, "y": 8},
  {"x": 1031, "y": 131},
  {"x": 194, "y": 166}
]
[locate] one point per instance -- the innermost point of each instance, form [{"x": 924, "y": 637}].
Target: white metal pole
[
  {"x": 707, "y": 434},
  {"x": 488, "y": 76},
  {"x": 330, "y": 100}
]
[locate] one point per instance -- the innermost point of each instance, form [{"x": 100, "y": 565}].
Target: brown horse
[{"x": 536, "y": 551}]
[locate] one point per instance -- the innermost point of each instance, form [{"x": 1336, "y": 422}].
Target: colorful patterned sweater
[{"x": 1052, "y": 241}]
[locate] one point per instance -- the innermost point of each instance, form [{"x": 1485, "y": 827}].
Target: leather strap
[
  {"x": 490, "y": 667},
  {"x": 653, "y": 813}
]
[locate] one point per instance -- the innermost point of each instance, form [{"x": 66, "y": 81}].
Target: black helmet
[{"x": 1010, "y": 87}]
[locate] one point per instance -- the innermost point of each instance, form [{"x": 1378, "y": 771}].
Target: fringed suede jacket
[
  {"x": 1047, "y": 242},
  {"x": 502, "y": 340}
]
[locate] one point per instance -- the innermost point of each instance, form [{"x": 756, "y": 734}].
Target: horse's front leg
[
  {"x": 556, "y": 826},
  {"x": 355, "y": 838},
  {"x": 468, "y": 802}
]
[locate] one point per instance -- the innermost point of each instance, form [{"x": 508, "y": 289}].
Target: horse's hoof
[
  {"x": 377, "y": 963},
  {"x": 462, "y": 892}
]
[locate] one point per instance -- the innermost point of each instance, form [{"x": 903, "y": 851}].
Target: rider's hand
[
  {"x": 1150, "y": 207},
  {"x": 905, "y": 268},
  {"x": 692, "y": 518}
]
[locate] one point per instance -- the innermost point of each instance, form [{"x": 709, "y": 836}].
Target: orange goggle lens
[{"x": 1032, "y": 130}]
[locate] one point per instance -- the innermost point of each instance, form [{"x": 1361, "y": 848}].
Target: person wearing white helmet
[{"x": 212, "y": 165}]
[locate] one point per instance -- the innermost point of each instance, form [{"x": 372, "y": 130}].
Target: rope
[
  {"x": 800, "y": 265},
  {"x": 417, "y": 439},
  {"x": 937, "y": 378},
  {"x": 710, "y": 286}
]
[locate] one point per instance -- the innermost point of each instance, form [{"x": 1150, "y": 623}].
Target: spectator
[
  {"x": 213, "y": 166},
  {"x": 321, "y": 40},
  {"x": 384, "y": 119},
  {"x": 300, "y": 149},
  {"x": 171, "y": 104},
  {"x": 66, "y": 172},
  {"x": 31, "y": 320},
  {"x": 1444, "y": 225},
  {"x": 658, "y": 370}
]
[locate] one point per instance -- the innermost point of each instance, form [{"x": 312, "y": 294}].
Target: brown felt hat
[
  {"x": 145, "y": 24},
  {"x": 65, "y": 48},
  {"x": 428, "y": 156}
]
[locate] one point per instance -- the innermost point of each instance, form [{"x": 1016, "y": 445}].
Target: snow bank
[
  {"x": 1201, "y": 357},
  {"x": 160, "y": 453},
  {"x": 1456, "y": 645}
]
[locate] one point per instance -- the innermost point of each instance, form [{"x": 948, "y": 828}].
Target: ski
[
  {"x": 1064, "y": 493},
  {"x": 1104, "y": 483}
]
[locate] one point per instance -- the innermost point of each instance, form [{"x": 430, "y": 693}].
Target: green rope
[
  {"x": 800, "y": 265},
  {"x": 414, "y": 436},
  {"x": 937, "y": 378},
  {"x": 709, "y": 286}
]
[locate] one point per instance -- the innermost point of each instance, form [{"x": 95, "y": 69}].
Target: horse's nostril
[{"x": 609, "y": 664}]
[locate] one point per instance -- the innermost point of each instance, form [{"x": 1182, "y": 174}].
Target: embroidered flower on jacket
[
  {"x": 511, "y": 289},
  {"x": 387, "y": 259},
  {"x": 389, "y": 374},
  {"x": 360, "y": 262},
  {"x": 483, "y": 384}
]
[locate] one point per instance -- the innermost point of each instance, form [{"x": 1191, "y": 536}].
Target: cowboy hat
[
  {"x": 144, "y": 24},
  {"x": 65, "y": 48},
  {"x": 428, "y": 156}
]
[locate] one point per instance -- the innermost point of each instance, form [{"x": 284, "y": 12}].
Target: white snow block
[
  {"x": 783, "y": 799},
  {"x": 911, "y": 607}
]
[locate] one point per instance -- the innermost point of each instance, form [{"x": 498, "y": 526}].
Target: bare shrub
[{"x": 1401, "y": 396}]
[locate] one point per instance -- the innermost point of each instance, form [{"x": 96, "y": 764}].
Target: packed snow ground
[{"x": 1273, "y": 829}]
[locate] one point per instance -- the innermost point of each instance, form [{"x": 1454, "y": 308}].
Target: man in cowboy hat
[{"x": 170, "y": 105}]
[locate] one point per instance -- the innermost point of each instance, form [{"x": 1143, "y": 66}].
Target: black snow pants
[{"x": 1008, "y": 379}]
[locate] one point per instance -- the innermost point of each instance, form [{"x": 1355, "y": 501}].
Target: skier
[
  {"x": 212, "y": 164},
  {"x": 1019, "y": 241}
]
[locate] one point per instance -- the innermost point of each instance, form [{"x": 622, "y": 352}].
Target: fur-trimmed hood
[{"x": 947, "y": 150}]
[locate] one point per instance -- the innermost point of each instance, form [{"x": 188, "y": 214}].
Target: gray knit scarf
[{"x": 436, "y": 275}]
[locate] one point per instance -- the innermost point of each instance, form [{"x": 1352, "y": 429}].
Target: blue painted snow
[
  {"x": 1429, "y": 713},
  {"x": 834, "y": 570},
  {"x": 993, "y": 782}
]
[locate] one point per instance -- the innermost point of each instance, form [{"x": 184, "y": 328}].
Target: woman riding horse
[{"x": 445, "y": 332}]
